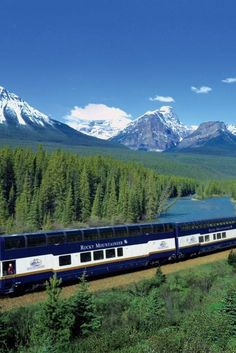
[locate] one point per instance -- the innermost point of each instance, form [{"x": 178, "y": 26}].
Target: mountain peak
[
  {"x": 166, "y": 109},
  {"x": 155, "y": 130},
  {"x": 211, "y": 128},
  {"x": 210, "y": 137},
  {"x": 15, "y": 111}
]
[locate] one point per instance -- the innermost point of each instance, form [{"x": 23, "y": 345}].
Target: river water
[{"x": 188, "y": 209}]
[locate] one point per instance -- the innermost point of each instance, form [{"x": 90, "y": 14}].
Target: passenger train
[{"x": 28, "y": 260}]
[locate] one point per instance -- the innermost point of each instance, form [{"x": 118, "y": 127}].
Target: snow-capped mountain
[
  {"x": 103, "y": 128},
  {"x": 13, "y": 110},
  {"x": 156, "y": 130},
  {"x": 20, "y": 121},
  {"x": 231, "y": 128},
  {"x": 212, "y": 137}
]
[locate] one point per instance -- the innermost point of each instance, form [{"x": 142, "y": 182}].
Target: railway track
[{"x": 120, "y": 280}]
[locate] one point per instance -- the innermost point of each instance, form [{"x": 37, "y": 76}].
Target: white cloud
[
  {"x": 98, "y": 120},
  {"x": 166, "y": 99},
  {"x": 202, "y": 89},
  {"x": 229, "y": 80},
  {"x": 94, "y": 111}
]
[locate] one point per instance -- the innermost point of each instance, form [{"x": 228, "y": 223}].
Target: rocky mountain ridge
[{"x": 20, "y": 121}]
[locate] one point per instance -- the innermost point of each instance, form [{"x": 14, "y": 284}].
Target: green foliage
[
  {"x": 53, "y": 322},
  {"x": 82, "y": 304},
  {"x": 160, "y": 278},
  {"x": 5, "y": 332},
  {"x": 229, "y": 309},
  {"x": 41, "y": 190},
  {"x": 232, "y": 259},
  {"x": 191, "y": 311}
]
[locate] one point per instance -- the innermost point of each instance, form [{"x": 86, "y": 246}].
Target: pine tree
[
  {"x": 3, "y": 210},
  {"x": 34, "y": 216},
  {"x": 23, "y": 203},
  {"x": 151, "y": 197},
  {"x": 53, "y": 321},
  {"x": 122, "y": 207},
  {"x": 97, "y": 203},
  {"x": 84, "y": 196},
  {"x": 111, "y": 207},
  {"x": 132, "y": 211},
  {"x": 69, "y": 210},
  {"x": 84, "y": 309},
  {"x": 160, "y": 278},
  {"x": 12, "y": 201}
]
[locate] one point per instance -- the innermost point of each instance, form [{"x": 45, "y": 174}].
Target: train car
[
  {"x": 205, "y": 236},
  {"x": 27, "y": 260}
]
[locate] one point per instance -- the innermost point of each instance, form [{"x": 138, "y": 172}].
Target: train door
[{"x": 8, "y": 272}]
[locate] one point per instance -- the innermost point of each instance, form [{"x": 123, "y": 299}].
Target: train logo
[
  {"x": 192, "y": 240},
  {"x": 163, "y": 245},
  {"x": 36, "y": 263}
]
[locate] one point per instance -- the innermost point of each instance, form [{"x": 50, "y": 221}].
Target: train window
[
  {"x": 34, "y": 240},
  {"x": 14, "y": 242},
  {"x": 119, "y": 251},
  {"x": 98, "y": 255},
  {"x": 218, "y": 235},
  {"x": 158, "y": 228},
  {"x": 201, "y": 239},
  {"x": 120, "y": 232},
  {"x": 207, "y": 237},
  {"x": 185, "y": 227},
  {"x": 214, "y": 236},
  {"x": 85, "y": 257},
  {"x": 169, "y": 228},
  {"x": 55, "y": 238},
  {"x": 134, "y": 230},
  {"x": 224, "y": 235},
  {"x": 110, "y": 253},
  {"x": 146, "y": 229},
  {"x": 90, "y": 234},
  {"x": 64, "y": 260},
  {"x": 106, "y": 233},
  {"x": 74, "y": 236},
  {"x": 198, "y": 225}
]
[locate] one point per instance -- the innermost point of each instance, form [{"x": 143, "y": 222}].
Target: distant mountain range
[
  {"x": 159, "y": 130},
  {"x": 162, "y": 131},
  {"x": 20, "y": 121}
]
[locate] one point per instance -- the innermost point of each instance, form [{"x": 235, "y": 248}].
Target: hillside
[{"x": 198, "y": 166}]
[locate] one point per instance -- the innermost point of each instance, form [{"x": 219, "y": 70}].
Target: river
[{"x": 188, "y": 209}]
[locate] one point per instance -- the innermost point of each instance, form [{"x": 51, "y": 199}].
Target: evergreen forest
[{"x": 47, "y": 190}]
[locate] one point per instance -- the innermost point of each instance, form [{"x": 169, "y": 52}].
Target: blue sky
[{"x": 60, "y": 54}]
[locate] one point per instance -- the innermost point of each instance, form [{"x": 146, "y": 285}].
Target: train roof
[
  {"x": 63, "y": 231},
  {"x": 207, "y": 220}
]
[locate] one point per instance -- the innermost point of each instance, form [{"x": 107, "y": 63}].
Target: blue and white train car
[
  {"x": 205, "y": 236},
  {"x": 31, "y": 259},
  {"x": 27, "y": 260}
]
